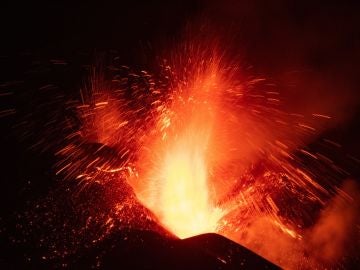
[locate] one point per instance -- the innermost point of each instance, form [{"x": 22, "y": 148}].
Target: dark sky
[
  {"x": 274, "y": 36},
  {"x": 68, "y": 25},
  {"x": 266, "y": 28}
]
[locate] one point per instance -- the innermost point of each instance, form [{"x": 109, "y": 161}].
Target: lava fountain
[
  {"x": 178, "y": 189},
  {"x": 185, "y": 206}
]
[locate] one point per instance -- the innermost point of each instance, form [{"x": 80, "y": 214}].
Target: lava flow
[{"x": 207, "y": 147}]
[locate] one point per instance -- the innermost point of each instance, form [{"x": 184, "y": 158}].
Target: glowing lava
[
  {"x": 178, "y": 189},
  {"x": 184, "y": 203}
]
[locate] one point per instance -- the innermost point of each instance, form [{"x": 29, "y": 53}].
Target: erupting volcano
[
  {"x": 201, "y": 145},
  {"x": 206, "y": 147},
  {"x": 180, "y": 135}
]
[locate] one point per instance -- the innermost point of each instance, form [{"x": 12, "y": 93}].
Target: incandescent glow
[
  {"x": 179, "y": 190},
  {"x": 184, "y": 202}
]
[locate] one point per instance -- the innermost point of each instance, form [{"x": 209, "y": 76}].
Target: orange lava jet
[
  {"x": 184, "y": 203},
  {"x": 178, "y": 189}
]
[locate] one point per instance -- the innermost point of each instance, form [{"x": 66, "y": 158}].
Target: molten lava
[
  {"x": 178, "y": 187},
  {"x": 184, "y": 204}
]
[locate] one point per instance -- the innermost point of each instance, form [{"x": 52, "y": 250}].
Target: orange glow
[
  {"x": 178, "y": 188},
  {"x": 184, "y": 204}
]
